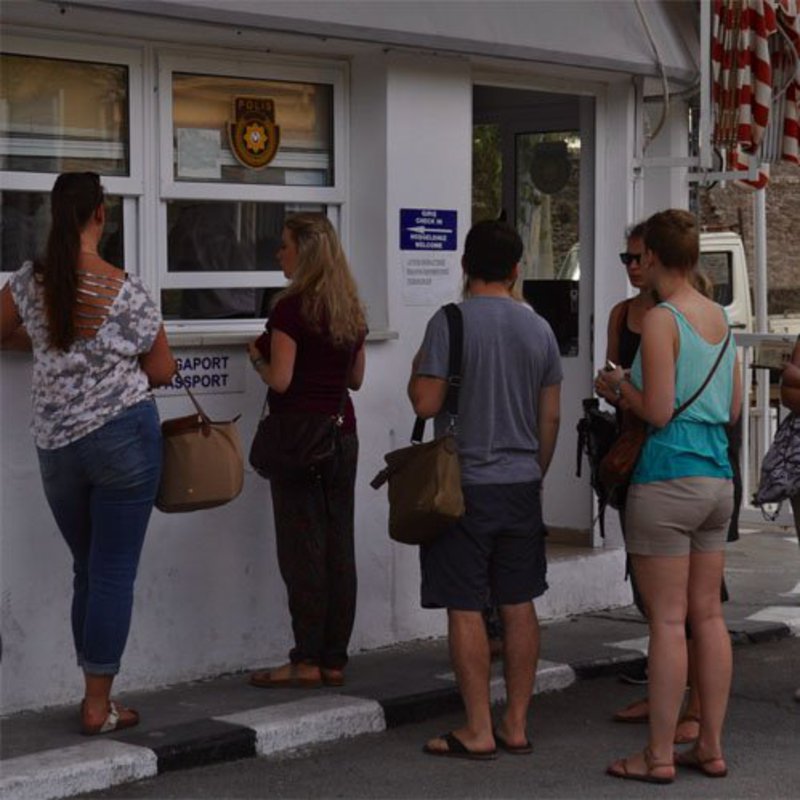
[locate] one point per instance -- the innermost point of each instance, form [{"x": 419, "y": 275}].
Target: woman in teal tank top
[{"x": 681, "y": 496}]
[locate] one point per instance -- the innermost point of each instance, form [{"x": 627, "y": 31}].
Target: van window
[{"x": 718, "y": 265}]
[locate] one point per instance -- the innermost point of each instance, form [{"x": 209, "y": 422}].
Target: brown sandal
[
  {"x": 268, "y": 680},
  {"x": 642, "y": 717},
  {"x": 691, "y": 760},
  {"x": 682, "y": 739},
  {"x": 332, "y": 677},
  {"x": 619, "y": 769}
]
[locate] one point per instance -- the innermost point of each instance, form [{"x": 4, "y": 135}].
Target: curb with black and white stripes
[{"x": 266, "y": 731}]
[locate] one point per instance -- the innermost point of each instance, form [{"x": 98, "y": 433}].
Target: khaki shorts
[{"x": 674, "y": 518}]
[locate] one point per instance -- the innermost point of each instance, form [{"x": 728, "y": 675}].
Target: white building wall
[
  {"x": 209, "y": 597},
  {"x": 666, "y": 187},
  {"x": 430, "y": 166}
]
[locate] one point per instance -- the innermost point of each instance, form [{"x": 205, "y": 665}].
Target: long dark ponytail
[{"x": 75, "y": 197}]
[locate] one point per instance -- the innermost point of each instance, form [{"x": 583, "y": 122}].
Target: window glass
[
  {"x": 25, "y": 222},
  {"x": 220, "y": 303},
  {"x": 212, "y": 236},
  {"x": 58, "y": 115},
  {"x": 216, "y": 117},
  {"x": 717, "y": 266},
  {"x": 547, "y": 202},
  {"x": 487, "y": 172}
]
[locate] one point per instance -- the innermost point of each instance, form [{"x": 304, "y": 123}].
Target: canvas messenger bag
[{"x": 425, "y": 478}]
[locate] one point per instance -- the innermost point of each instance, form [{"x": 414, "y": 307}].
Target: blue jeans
[{"x": 101, "y": 490}]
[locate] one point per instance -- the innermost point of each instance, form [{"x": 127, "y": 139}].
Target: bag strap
[
  {"x": 455, "y": 326},
  {"x": 350, "y": 361},
  {"x": 710, "y": 375},
  {"x": 202, "y": 414}
]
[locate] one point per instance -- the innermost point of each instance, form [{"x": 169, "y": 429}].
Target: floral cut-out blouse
[{"x": 78, "y": 390}]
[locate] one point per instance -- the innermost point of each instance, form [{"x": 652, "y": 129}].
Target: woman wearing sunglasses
[
  {"x": 624, "y": 336},
  {"x": 625, "y": 320}
]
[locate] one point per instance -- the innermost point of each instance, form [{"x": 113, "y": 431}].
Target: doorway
[{"x": 533, "y": 166}]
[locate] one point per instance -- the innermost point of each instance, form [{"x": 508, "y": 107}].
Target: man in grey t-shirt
[{"x": 506, "y": 433}]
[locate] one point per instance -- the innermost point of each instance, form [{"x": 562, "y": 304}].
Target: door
[{"x": 533, "y": 165}]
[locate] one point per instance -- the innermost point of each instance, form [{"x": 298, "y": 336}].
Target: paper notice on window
[
  {"x": 198, "y": 154},
  {"x": 428, "y": 277}
]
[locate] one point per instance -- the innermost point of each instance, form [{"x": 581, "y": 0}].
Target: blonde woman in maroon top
[{"x": 313, "y": 352}]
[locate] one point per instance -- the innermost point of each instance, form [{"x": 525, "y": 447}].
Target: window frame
[
  {"x": 166, "y": 187},
  {"x": 129, "y": 188}
]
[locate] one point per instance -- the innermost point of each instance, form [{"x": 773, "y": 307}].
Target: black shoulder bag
[{"x": 295, "y": 445}]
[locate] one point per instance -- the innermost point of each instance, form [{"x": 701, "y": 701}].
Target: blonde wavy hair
[{"x": 323, "y": 279}]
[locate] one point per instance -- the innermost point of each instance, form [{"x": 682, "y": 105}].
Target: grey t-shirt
[{"x": 510, "y": 354}]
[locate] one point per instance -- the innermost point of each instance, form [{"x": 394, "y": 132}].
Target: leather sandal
[
  {"x": 685, "y": 739},
  {"x": 639, "y": 717},
  {"x": 691, "y": 760},
  {"x": 332, "y": 677},
  {"x": 619, "y": 769},
  {"x": 117, "y": 719},
  {"x": 267, "y": 679}
]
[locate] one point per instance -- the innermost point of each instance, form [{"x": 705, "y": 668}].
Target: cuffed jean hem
[{"x": 98, "y": 669}]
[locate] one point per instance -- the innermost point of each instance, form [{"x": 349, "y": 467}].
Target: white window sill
[{"x": 215, "y": 334}]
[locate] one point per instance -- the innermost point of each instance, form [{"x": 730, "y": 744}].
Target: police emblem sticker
[{"x": 254, "y": 137}]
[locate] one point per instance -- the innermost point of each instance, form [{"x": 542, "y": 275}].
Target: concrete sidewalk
[{"x": 224, "y": 718}]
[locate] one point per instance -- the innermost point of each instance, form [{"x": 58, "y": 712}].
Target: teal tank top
[{"x": 695, "y": 444}]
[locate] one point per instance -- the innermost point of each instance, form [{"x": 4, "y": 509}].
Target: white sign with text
[{"x": 208, "y": 372}]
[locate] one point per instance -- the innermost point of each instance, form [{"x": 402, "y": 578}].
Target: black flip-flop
[
  {"x": 457, "y": 749},
  {"x": 514, "y": 749}
]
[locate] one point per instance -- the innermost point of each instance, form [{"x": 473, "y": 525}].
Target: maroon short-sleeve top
[{"x": 320, "y": 367}]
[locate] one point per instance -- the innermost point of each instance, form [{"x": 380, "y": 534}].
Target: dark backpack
[{"x": 597, "y": 431}]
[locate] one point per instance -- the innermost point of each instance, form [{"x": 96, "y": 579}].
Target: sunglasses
[{"x": 628, "y": 258}]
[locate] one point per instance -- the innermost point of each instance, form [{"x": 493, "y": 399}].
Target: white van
[{"x": 723, "y": 259}]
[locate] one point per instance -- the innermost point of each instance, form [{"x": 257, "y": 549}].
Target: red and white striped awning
[{"x": 755, "y": 53}]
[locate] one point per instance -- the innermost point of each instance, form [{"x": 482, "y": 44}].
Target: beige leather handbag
[{"x": 202, "y": 462}]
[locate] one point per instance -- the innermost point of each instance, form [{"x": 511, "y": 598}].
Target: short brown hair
[
  {"x": 491, "y": 251},
  {"x": 674, "y": 236}
]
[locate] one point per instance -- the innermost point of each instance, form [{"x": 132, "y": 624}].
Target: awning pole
[
  {"x": 760, "y": 247},
  {"x": 704, "y": 123},
  {"x": 760, "y": 291}
]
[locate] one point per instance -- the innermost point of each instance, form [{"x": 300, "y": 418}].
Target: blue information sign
[{"x": 427, "y": 229}]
